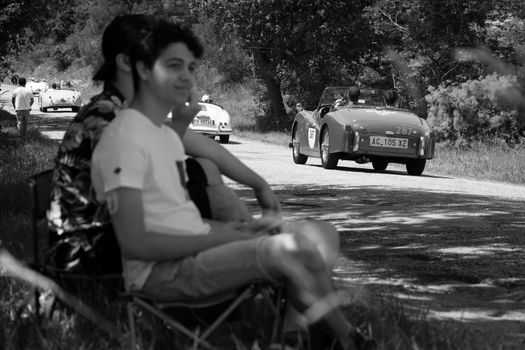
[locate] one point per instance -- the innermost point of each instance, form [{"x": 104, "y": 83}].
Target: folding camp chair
[
  {"x": 59, "y": 281},
  {"x": 201, "y": 325},
  {"x": 40, "y": 185}
]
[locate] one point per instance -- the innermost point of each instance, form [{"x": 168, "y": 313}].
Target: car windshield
[{"x": 367, "y": 97}]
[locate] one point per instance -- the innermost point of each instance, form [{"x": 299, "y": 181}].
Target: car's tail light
[
  {"x": 356, "y": 141},
  {"x": 422, "y": 145}
]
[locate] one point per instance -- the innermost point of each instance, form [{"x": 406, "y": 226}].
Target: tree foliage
[
  {"x": 291, "y": 42},
  {"x": 474, "y": 110},
  {"x": 293, "y": 47}
]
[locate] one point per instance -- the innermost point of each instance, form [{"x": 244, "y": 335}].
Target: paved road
[{"x": 276, "y": 165}]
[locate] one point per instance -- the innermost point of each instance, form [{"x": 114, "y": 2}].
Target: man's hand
[
  {"x": 269, "y": 203},
  {"x": 183, "y": 114},
  {"x": 263, "y": 226}
]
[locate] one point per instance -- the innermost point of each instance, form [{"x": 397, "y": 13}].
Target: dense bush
[{"x": 474, "y": 110}]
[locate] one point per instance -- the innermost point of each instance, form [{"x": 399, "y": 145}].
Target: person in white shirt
[
  {"x": 170, "y": 251},
  {"x": 22, "y": 101}
]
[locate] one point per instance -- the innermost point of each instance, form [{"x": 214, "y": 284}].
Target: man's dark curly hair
[{"x": 162, "y": 34}]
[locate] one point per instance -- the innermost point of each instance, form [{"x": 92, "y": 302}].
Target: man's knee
[
  {"x": 279, "y": 251},
  {"x": 320, "y": 234}
]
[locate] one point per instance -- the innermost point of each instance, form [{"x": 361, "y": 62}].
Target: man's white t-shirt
[
  {"x": 135, "y": 153},
  {"x": 23, "y": 98}
]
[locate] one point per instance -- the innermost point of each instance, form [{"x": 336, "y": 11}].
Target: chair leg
[
  {"x": 132, "y": 329},
  {"x": 244, "y": 295},
  {"x": 166, "y": 318},
  {"x": 37, "y": 305}
]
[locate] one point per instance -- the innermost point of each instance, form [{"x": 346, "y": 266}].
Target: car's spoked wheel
[
  {"x": 329, "y": 160},
  {"x": 224, "y": 138},
  {"x": 379, "y": 165},
  {"x": 416, "y": 166},
  {"x": 298, "y": 158}
]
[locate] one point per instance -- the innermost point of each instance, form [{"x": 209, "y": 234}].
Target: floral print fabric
[{"x": 75, "y": 214}]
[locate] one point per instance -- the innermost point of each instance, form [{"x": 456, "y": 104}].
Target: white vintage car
[
  {"x": 212, "y": 121},
  {"x": 67, "y": 97}
]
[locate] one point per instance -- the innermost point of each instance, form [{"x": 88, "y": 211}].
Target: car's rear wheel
[
  {"x": 298, "y": 158},
  {"x": 328, "y": 160},
  {"x": 224, "y": 138},
  {"x": 379, "y": 165},
  {"x": 44, "y": 109},
  {"x": 416, "y": 166}
]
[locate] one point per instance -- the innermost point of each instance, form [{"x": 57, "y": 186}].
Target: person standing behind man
[
  {"x": 390, "y": 98},
  {"x": 353, "y": 95},
  {"x": 22, "y": 101}
]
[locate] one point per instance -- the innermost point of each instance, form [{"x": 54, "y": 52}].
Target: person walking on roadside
[{"x": 22, "y": 101}]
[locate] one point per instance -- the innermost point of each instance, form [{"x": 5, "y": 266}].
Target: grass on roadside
[{"x": 496, "y": 162}]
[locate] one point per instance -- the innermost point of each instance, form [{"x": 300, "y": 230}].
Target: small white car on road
[
  {"x": 212, "y": 120},
  {"x": 67, "y": 97}
]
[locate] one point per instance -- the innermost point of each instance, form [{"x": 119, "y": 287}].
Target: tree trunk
[{"x": 265, "y": 70}]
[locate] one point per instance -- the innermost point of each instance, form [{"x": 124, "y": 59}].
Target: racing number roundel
[{"x": 311, "y": 137}]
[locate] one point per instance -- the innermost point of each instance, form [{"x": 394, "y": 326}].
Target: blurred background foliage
[{"x": 461, "y": 63}]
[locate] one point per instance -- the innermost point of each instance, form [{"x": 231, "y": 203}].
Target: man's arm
[
  {"x": 197, "y": 145},
  {"x": 125, "y": 205}
]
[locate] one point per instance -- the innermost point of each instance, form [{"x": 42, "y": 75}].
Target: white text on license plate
[
  {"x": 392, "y": 142},
  {"x": 203, "y": 122}
]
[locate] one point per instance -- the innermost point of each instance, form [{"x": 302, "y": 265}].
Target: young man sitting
[
  {"x": 82, "y": 240},
  {"x": 170, "y": 251}
]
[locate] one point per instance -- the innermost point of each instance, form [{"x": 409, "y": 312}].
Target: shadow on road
[
  {"x": 445, "y": 255},
  {"x": 365, "y": 170}
]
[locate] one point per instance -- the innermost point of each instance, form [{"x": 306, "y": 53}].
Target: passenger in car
[
  {"x": 353, "y": 95},
  {"x": 390, "y": 98}
]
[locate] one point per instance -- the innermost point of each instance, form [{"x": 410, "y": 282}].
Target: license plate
[
  {"x": 203, "y": 122},
  {"x": 391, "y": 142}
]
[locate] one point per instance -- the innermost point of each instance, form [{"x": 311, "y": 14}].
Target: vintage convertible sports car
[
  {"x": 213, "y": 120},
  {"x": 365, "y": 131},
  {"x": 67, "y": 97}
]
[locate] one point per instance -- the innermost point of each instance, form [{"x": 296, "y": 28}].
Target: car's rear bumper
[
  {"x": 418, "y": 147},
  {"x": 212, "y": 130},
  {"x": 60, "y": 105}
]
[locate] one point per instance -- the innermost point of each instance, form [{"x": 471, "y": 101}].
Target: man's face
[{"x": 172, "y": 76}]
